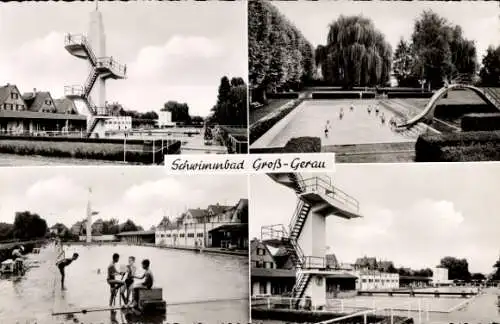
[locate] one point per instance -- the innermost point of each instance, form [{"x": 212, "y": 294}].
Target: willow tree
[
  {"x": 356, "y": 54},
  {"x": 279, "y": 56}
]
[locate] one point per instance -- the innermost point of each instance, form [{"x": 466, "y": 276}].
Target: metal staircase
[
  {"x": 89, "y": 83},
  {"x": 299, "y": 218}
]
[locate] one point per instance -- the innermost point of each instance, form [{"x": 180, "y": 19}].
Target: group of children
[
  {"x": 328, "y": 125},
  {"x": 118, "y": 281}
]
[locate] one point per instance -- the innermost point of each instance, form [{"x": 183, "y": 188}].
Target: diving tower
[
  {"x": 427, "y": 115},
  {"x": 92, "y": 48},
  {"x": 305, "y": 237}
]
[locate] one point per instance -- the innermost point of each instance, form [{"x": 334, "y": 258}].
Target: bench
[{"x": 151, "y": 300}]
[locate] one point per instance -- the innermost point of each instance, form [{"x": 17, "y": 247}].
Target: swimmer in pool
[
  {"x": 341, "y": 114},
  {"x": 327, "y": 128}
]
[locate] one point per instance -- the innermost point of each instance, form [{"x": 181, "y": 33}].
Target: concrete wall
[
  {"x": 312, "y": 238},
  {"x": 440, "y": 276},
  {"x": 187, "y": 235},
  {"x": 316, "y": 289}
]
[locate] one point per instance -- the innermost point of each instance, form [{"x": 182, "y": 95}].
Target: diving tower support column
[
  {"x": 97, "y": 39},
  {"x": 89, "y": 219}
]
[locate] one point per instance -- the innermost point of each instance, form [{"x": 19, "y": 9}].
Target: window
[
  {"x": 8, "y": 106},
  {"x": 262, "y": 288},
  {"x": 259, "y": 264},
  {"x": 261, "y": 251},
  {"x": 48, "y": 102},
  {"x": 199, "y": 235},
  {"x": 363, "y": 280},
  {"x": 14, "y": 95},
  {"x": 181, "y": 235},
  {"x": 190, "y": 235},
  {"x": 169, "y": 235}
]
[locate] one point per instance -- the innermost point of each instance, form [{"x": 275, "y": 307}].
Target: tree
[
  {"x": 28, "y": 226},
  {"x": 110, "y": 227},
  {"x": 180, "y": 111},
  {"x": 440, "y": 50},
  {"x": 478, "y": 276},
  {"x": 496, "y": 273},
  {"x": 129, "y": 226},
  {"x": 458, "y": 269},
  {"x": 404, "y": 65},
  {"x": 280, "y": 58},
  {"x": 423, "y": 273},
  {"x": 356, "y": 54},
  {"x": 6, "y": 231},
  {"x": 490, "y": 72},
  {"x": 231, "y": 106}
]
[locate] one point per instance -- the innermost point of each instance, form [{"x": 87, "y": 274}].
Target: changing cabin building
[
  {"x": 36, "y": 113},
  {"x": 216, "y": 226}
]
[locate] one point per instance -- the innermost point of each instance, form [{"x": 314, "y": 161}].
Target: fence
[
  {"x": 352, "y": 308},
  {"x": 334, "y": 193}
]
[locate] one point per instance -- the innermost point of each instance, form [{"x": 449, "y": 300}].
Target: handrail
[
  {"x": 313, "y": 262},
  {"x": 73, "y": 90},
  {"x": 277, "y": 231},
  {"x": 80, "y": 39},
  {"x": 91, "y": 79},
  {"x": 112, "y": 64},
  {"x": 296, "y": 213},
  {"x": 331, "y": 191}
]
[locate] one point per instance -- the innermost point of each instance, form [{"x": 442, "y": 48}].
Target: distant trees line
[
  {"x": 29, "y": 226},
  {"x": 357, "y": 54}
]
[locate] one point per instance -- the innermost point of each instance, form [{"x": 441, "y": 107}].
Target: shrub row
[
  {"x": 458, "y": 147},
  {"x": 343, "y": 95},
  {"x": 458, "y": 110},
  {"x": 283, "y": 95},
  {"x": 141, "y": 152},
  {"x": 303, "y": 145},
  {"x": 260, "y": 127},
  {"x": 71, "y": 139},
  {"x": 409, "y": 94},
  {"x": 480, "y": 122}
]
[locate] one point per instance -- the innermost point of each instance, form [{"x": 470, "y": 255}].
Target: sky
[
  {"x": 173, "y": 50},
  {"x": 480, "y": 20},
  {"x": 413, "y": 214},
  {"x": 145, "y": 195}
]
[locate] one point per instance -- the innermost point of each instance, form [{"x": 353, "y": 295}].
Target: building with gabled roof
[{"x": 36, "y": 113}]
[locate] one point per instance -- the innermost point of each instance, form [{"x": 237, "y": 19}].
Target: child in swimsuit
[
  {"x": 62, "y": 264},
  {"x": 129, "y": 279},
  {"x": 146, "y": 284},
  {"x": 327, "y": 128},
  {"x": 114, "y": 283}
]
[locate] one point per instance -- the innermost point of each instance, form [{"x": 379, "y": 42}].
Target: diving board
[{"x": 84, "y": 310}]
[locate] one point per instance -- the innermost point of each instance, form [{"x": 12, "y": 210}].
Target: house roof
[
  {"x": 39, "y": 115},
  {"x": 341, "y": 276},
  {"x": 64, "y": 105},
  {"x": 219, "y": 209},
  {"x": 36, "y": 100},
  {"x": 198, "y": 213},
  {"x": 5, "y": 92},
  {"x": 272, "y": 273},
  {"x": 230, "y": 228},
  {"x": 415, "y": 278}
]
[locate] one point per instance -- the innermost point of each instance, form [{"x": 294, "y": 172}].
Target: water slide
[{"x": 428, "y": 112}]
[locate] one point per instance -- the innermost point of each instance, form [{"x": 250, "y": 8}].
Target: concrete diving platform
[{"x": 327, "y": 199}]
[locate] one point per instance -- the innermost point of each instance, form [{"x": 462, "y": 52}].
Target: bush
[
  {"x": 409, "y": 94},
  {"x": 458, "y": 110},
  {"x": 283, "y": 95},
  {"x": 138, "y": 151},
  {"x": 458, "y": 147},
  {"x": 481, "y": 122},
  {"x": 303, "y": 145},
  {"x": 343, "y": 95},
  {"x": 260, "y": 127}
]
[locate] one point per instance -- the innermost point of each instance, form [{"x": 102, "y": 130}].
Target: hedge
[
  {"x": 303, "y": 145},
  {"x": 261, "y": 127},
  {"x": 458, "y": 110},
  {"x": 409, "y": 94},
  {"x": 343, "y": 95},
  {"x": 458, "y": 147},
  {"x": 480, "y": 122},
  {"x": 283, "y": 95},
  {"x": 137, "y": 151}
]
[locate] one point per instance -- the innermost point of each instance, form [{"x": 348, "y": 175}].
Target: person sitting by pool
[
  {"x": 62, "y": 264},
  {"x": 146, "y": 284},
  {"x": 17, "y": 256},
  {"x": 129, "y": 280},
  {"x": 114, "y": 283}
]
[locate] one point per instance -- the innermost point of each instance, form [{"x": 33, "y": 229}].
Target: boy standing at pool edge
[{"x": 147, "y": 284}]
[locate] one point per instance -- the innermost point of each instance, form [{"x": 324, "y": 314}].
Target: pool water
[
  {"x": 356, "y": 126},
  {"x": 184, "y": 276}
]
